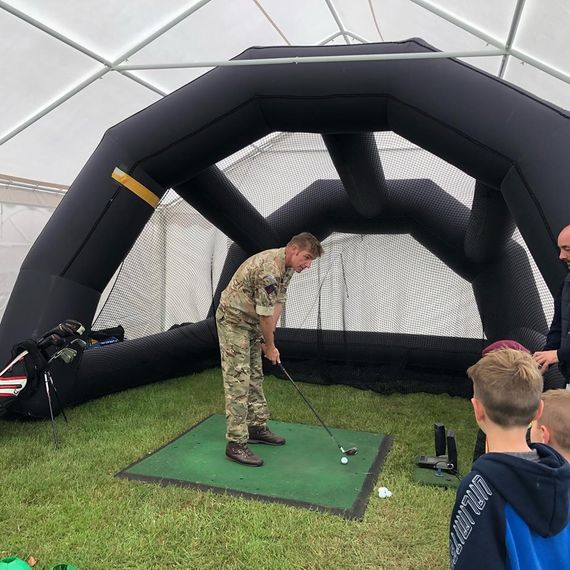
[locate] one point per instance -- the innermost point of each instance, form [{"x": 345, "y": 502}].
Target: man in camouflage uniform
[{"x": 246, "y": 318}]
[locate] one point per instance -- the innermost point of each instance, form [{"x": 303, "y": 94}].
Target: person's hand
[
  {"x": 271, "y": 353},
  {"x": 545, "y": 358}
]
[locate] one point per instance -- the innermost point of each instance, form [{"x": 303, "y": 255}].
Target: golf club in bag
[
  {"x": 31, "y": 364},
  {"x": 350, "y": 450}
]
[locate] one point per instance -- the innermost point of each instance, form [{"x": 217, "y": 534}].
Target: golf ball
[{"x": 344, "y": 460}]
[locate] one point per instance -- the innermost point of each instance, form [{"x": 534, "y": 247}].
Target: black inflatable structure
[{"x": 514, "y": 145}]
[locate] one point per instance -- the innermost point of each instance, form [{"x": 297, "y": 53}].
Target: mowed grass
[{"x": 66, "y": 505}]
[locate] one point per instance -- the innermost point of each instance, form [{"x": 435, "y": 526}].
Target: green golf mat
[
  {"x": 426, "y": 476},
  {"x": 305, "y": 472}
]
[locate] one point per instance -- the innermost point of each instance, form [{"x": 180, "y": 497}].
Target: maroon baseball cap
[{"x": 505, "y": 343}]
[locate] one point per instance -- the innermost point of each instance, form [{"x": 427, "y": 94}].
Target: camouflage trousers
[{"x": 240, "y": 351}]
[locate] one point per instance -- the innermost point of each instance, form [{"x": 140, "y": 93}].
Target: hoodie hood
[{"x": 539, "y": 492}]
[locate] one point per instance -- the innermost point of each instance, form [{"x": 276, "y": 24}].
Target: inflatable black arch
[{"x": 514, "y": 145}]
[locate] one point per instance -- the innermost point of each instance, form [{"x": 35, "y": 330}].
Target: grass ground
[{"x": 66, "y": 505}]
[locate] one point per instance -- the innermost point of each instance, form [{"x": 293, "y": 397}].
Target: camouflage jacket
[{"x": 259, "y": 283}]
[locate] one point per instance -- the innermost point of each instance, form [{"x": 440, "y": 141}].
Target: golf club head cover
[
  {"x": 61, "y": 335},
  {"x": 75, "y": 327},
  {"x": 50, "y": 339},
  {"x": 452, "y": 451},
  {"x": 68, "y": 328},
  {"x": 439, "y": 434}
]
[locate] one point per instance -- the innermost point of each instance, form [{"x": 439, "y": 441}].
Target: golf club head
[
  {"x": 350, "y": 451},
  {"x": 79, "y": 342},
  {"x": 67, "y": 354}
]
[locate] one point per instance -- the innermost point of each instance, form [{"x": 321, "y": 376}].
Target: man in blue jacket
[{"x": 512, "y": 509}]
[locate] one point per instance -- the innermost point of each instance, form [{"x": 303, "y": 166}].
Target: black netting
[{"x": 392, "y": 307}]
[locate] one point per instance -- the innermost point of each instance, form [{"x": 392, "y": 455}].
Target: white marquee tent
[{"x": 71, "y": 70}]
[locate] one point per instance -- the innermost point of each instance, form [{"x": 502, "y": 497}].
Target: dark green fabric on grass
[
  {"x": 306, "y": 471},
  {"x": 432, "y": 477}
]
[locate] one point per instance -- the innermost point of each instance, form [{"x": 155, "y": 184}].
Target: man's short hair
[
  {"x": 556, "y": 417},
  {"x": 509, "y": 385},
  {"x": 307, "y": 242}
]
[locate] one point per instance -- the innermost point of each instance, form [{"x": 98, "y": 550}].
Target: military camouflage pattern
[
  {"x": 243, "y": 378},
  {"x": 259, "y": 283}
]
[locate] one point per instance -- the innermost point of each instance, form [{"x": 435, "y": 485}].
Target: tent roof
[{"x": 72, "y": 70}]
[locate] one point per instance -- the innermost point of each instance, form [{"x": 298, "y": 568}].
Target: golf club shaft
[
  {"x": 53, "y": 428},
  {"x": 310, "y": 405}
]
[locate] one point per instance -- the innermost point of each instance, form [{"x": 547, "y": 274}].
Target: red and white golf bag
[
  {"x": 13, "y": 380},
  {"x": 22, "y": 376}
]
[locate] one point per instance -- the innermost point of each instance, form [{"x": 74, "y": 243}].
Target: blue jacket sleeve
[{"x": 477, "y": 527}]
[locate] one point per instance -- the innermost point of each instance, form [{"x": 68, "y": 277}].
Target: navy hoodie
[{"x": 512, "y": 513}]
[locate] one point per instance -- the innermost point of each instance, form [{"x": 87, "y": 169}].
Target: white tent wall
[{"x": 23, "y": 214}]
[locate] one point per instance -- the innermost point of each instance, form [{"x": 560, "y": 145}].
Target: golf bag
[
  {"x": 31, "y": 359},
  {"x": 13, "y": 380}
]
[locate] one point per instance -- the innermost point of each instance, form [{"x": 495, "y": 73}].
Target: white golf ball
[{"x": 344, "y": 460}]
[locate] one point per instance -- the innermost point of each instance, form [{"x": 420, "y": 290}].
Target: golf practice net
[{"x": 398, "y": 302}]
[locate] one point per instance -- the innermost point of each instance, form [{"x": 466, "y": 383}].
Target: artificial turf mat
[
  {"x": 305, "y": 472},
  {"x": 427, "y": 476}
]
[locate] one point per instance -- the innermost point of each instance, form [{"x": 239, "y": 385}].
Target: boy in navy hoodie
[{"x": 511, "y": 510}]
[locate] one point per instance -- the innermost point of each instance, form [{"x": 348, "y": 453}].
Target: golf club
[{"x": 349, "y": 451}]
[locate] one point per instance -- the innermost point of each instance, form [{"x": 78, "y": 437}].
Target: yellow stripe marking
[{"x": 136, "y": 187}]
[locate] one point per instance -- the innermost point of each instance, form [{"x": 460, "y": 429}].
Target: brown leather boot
[
  {"x": 261, "y": 434},
  {"x": 242, "y": 454}
]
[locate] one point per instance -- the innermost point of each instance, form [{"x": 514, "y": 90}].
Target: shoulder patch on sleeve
[{"x": 270, "y": 284}]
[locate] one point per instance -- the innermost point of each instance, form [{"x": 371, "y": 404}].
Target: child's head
[
  {"x": 508, "y": 385},
  {"x": 553, "y": 427}
]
